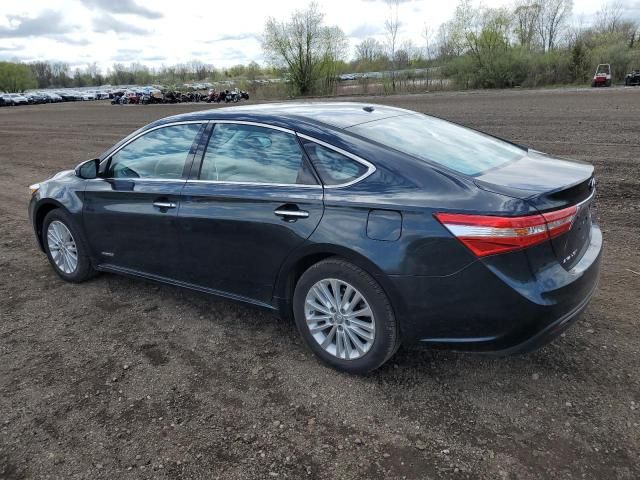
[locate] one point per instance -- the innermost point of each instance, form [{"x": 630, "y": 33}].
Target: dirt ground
[{"x": 118, "y": 378}]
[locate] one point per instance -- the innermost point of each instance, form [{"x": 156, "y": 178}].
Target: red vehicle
[
  {"x": 602, "y": 77},
  {"x": 133, "y": 97},
  {"x": 212, "y": 96}
]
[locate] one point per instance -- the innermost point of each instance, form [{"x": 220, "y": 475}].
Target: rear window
[{"x": 428, "y": 138}]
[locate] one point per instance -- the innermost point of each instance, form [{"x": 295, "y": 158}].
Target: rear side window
[
  {"x": 333, "y": 167},
  {"x": 253, "y": 154},
  {"x": 428, "y": 138},
  {"x": 158, "y": 154}
]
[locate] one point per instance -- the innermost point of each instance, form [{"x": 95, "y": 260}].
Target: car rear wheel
[
  {"x": 65, "y": 247},
  {"x": 345, "y": 317}
]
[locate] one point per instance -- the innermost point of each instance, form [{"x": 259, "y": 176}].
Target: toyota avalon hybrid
[{"x": 371, "y": 226}]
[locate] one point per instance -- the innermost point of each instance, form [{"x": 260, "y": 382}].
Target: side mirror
[{"x": 88, "y": 169}]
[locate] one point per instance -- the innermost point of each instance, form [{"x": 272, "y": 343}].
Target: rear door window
[{"x": 254, "y": 154}]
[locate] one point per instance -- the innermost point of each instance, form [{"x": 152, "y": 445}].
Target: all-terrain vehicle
[
  {"x": 602, "y": 77},
  {"x": 632, "y": 78},
  {"x": 212, "y": 96}
]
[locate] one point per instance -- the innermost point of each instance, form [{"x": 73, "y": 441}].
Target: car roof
[{"x": 337, "y": 114}]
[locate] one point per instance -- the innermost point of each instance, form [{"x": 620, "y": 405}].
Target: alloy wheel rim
[
  {"x": 62, "y": 247},
  {"x": 340, "y": 319}
]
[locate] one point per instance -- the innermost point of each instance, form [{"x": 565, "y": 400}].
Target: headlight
[{"x": 34, "y": 188}]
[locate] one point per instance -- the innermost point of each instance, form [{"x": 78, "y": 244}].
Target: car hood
[{"x": 62, "y": 174}]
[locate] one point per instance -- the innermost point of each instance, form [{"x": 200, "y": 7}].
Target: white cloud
[
  {"x": 107, "y": 23},
  {"x": 159, "y": 32},
  {"x": 123, "y": 6}
]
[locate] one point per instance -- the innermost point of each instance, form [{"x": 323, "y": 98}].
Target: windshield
[{"x": 432, "y": 139}]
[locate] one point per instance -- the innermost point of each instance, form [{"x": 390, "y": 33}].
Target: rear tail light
[
  {"x": 487, "y": 235},
  {"x": 560, "y": 221}
]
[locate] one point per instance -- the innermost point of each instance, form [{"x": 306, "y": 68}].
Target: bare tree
[
  {"x": 525, "y": 17},
  {"x": 196, "y": 69},
  {"x": 391, "y": 26},
  {"x": 609, "y": 17},
  {"x": 304, "y": 46},
  {"x": 445, "y": 46},
  {"x": 60, "y": 71},
  {"x": 552, "y": 17},
  {"x": 43, "y": 73},
  {"x": 427, "y": 34},
  {"x": 369, "y": 50}
]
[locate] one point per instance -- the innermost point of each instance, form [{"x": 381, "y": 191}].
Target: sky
[{"x": 166, "y": 32}]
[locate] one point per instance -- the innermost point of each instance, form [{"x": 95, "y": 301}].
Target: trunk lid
[{"x": 549, "y": 184}]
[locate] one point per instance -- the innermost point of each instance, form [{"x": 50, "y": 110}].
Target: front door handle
[
  {"x": 164, "y": 204},
  {"x": 291, "y": 214}
]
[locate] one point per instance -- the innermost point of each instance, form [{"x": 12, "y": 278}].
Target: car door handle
[
  {"x": 164, "y": 204},
  {"x": 291, "y": 213}
]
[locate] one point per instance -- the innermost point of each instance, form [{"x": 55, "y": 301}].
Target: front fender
[{"x": 59, "y": 192}]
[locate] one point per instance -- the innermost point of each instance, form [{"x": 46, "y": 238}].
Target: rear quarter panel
[{"x": 415, "y": 191}]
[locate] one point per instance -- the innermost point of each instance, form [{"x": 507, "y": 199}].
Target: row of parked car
[
  {"x": 123, "y": 95},
  {"x": 148, "y": 95},
  {"x": 35, "y": 98}
]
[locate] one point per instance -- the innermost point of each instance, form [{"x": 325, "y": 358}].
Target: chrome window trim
[
  {"x": 255, "y": 124},
  {"x": 371, "y": 168},
  {"x": 259, "y": 184},
  {"x": 135, "y": 179},
  {"x": 157, "y": 127}
]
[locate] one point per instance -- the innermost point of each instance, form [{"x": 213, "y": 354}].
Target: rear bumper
[
  {"x": 548, "y": 332},
  {"x": 498, "y": 305}
]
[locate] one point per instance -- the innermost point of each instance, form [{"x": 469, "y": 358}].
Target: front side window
[
  {"x": 428, "y": 138},
  {"x": 159, "y": 154},
  {"x": 333, "y": 167},
  {"x": 253, "y": 154}
]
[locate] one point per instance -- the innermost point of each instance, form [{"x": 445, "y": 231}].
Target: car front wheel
[
  {"x": 345, "y": 317},
  {"x": 65, "y": 247}
]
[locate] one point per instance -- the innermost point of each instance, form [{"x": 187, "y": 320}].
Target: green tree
[
  {"x": 304, "y": 46},
  {"x": 525, "y": 18},
  {"x": 579, "y": 62},
  {"x": 16, "y": 77},
  {"x": 253, "y": 70}
]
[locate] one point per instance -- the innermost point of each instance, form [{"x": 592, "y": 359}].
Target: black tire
[
  {"x": 607, "y": 83},
  {"x": 386, "y": 340},
  {"x": 84, "y": 270}
]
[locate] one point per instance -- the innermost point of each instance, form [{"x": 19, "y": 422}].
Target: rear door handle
[
  {"x": 291, "y": 213},
  {"x": 164, "y": 204}
]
